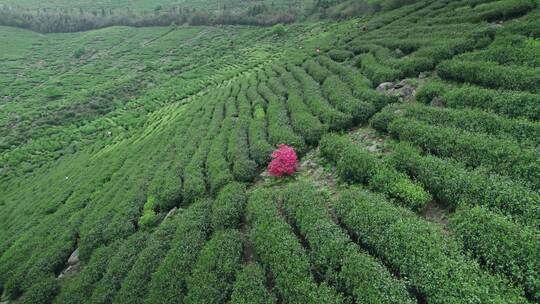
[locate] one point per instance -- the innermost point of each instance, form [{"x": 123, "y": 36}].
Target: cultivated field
[{"x": 133, "y": 160}]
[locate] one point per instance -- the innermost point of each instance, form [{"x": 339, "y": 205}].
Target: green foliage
[
  {"x": 499, "y": 155},
  {"x": 136, "y": 284},
  {"x": 249, "y": 287},
  {"x": 168, "y": 282},
  {"x": 166, "y": 189},
  {"x": 356, "y": 165},
  {"x": 334, "y": 256},
  {"x": 213, "y": 274},
  {"x": 77, "y": 290},
  {"x": 491, "y": 75},
  {"x": 340, "y": 55},
  {"x": 504, "y": 246},
  {"x": 280, "y": 252},
  {"x": 340, "y": 95},
  {"x": 117, "y": 269},
  {"x": 320, "y": 107},
  {"x": 509, "y": 103},
  {"x": 375, "y": 71},
  {"x": 431, "y": 260},
  {"x": 42, "y": 292},
  {"x": 228, "y": 207},
  {"x": 452, "y": 184}
]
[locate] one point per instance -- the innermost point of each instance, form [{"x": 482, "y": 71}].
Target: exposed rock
[
  {"x": 171, "y": 212},
  {"x": 403, "y": 90},
  {"x": 74, "y": 257},
  {"x": 437, "y": 102},
  {"x": 422, "y": 75},
  {"x": 399, "y": 52},
  {"x": 385, "y": 86},
  {"x": 70, "y": 271}
]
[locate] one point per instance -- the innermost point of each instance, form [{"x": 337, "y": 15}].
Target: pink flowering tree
[{"x": 284, "y": 161}]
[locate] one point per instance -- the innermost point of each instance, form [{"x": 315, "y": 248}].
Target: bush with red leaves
[{"x": 284, "y": 161}]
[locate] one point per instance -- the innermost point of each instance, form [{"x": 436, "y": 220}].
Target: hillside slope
[{"x": 133, "y": 161}]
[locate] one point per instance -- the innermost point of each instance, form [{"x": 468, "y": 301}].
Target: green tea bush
[
  {"x": 334, "y": 256},
  {"x": 249, "y": 287},
  {"x": 42, "y": 292},
  {"x": 194, "y": 185},
  {"x": 279, "y": 127},
  {"x": 168, "y": 282},
  {"x": 166, "y": 189},
  {"x": 217, "y": 166},
  {"x": 117, "y": 269},
  {"x": 475, "y": 120},
  {"x": 340, "y": 95},
  {"x": 430, "y": 90},
  {"x": 502, "y": 245},
  {"x": 340, "y": 55},
  {"x": 430, "y": 259},
  {"x": 259, "y": 148},
  {"x": 276, "y": 246},
  {"x": 78, "y": 289},
  {"x": 136, "y": 284},
  {"x": 214, "y": 272},
  {"x": 375, "y": 71},
  {"x": 356, "y": 165},
  {"x": 491, "y": 75},
  {"x": 243, "y": 168},
  {"x": 302, "y": 121},
  {"x": 320, "y": 107},
  {"x": 499, "y": 155},
  {"x": 452, "y": 184},
  {"x": 509, "y": 103},
  {"x": 228, "y": 207},
  {"x": 318, "y": 72},
  {"x": 502, "y": 10}
]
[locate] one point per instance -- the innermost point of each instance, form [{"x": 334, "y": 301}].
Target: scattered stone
[
  {"x": 422, "y": 75},
  {"x": 403, "y": 90},
  {"x": 171, "y": 212},
  {"x": 399, "y": 52},
  {"x": 74, "y": 257},
  {"x": 437, "y": 102},
  {"x": 385, "y": 86}
]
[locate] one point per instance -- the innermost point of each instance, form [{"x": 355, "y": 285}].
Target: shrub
[
  {"x": 284, "y": 161},
  {"x": 510, "y": 103},
  {"x": 302, "y": 121},
  {"x": 430, "y": 90},
  {"x": 430, "y": 259},
  {"x": 499, "y": 155},
  {"x": 340, "y": 55},
  {"x": 357, "y": 165},
  {"x": 475, "y": 120},
  {"x": 280, "y": 252},
  {"x": 168, "y": 282},
  {"x": 119, "y": 266},
  {"x": 335, "y": 258},
  {"x": 318, "y": 72},
  {"x": 335, "y": 119},
  {"x": 136, "y": 284},
  {"x": 228, "y": 206},
  {"x": 491, "y": 75},
  {"x": 42, "y": 292},
  {"x": 340, "y": 95},
  {"x": 502, "y": 245},
  {"x": 452, "y": 184},
  {"x": 217, "y": 166},
  {"x": 166, "y": 189},
  {"x": 213, "y": 274},
  {"x": 375, "y": 71},
  {"x": 249, "y": 287}
]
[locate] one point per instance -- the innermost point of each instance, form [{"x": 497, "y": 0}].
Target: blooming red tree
[{"x": 284, "y": 161}]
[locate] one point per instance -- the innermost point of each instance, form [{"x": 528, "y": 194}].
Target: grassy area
[{"x": 145, "y": 151}]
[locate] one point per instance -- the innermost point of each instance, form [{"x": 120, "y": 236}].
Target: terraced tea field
[{"x": 134, "y": 160}]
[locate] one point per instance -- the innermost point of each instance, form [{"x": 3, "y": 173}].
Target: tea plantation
[{"x": 133, "y": 160}]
